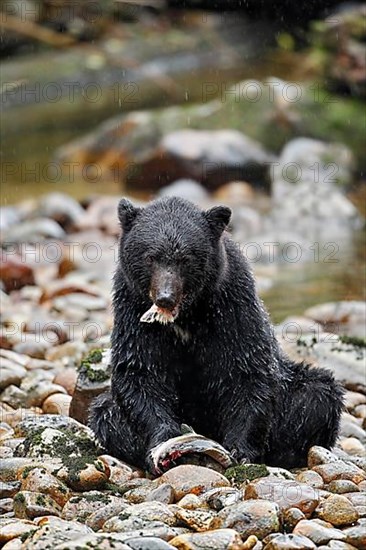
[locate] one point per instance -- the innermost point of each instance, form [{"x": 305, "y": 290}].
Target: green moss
[
  {"x": 24, "y": 536},
  {"x": 105, "y": 499},
  {"x": 86, "y": 367},
  {"x": 27, "y": 470},
  {"x": 113, "y": 488},
  {"x": 76, "y": 450},
  {"x": 301, "y": 342},
  {"x": 95, "y": 356},
  {"x": 246, "y": 472},
  {"x": 285, "y": 475},
  {"x": 41, "y": 501},
  {"x": 353, "y": 341},
  {"x": 19, "y": 497}
]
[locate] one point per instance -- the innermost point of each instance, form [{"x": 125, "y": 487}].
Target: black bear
[{"x": 214, "y": 362}]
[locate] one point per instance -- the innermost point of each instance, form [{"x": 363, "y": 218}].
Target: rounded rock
[
  {"x": 57, "y": 403},
  {"x": 198, "y": 520},
  {"x": 291, "y": 518},
  {"x": 147, "y": 543},
  {"x": 11, "y": 373},
  {"x": 67, "y": 379},
  {"x": 154, "y": 511},
  {"x": 309, "y": 477},
  {"x": 9, "y": 489},
  {"x": 352, "y": 399},
  {"x": 319, "y": 455},
  {"x": 356, "y": 535},
  {"x": 340, "y": 486},
  {"x": 189, "y": 502},
  {"x": 12, "y": 528},
  {"x": 92, "y": 476},
  {"x": 337, "y": 510},
  {"x": 186, "y": 189},
  {"x": 83, "y": 506},
  {"x": 41, "y": 390},
  {"x": 120, "y": 472},
  {"x": 340, "y": 470},
  {"x": 192, "y": 479},
  {"x": 353, "y": 446},
  {"x": 220, "y": 539},
  {"x": 40, "y": 480},
  {"x": 163, "y": 493},
  {"x": 235, "y": 193},
  {"x": 11, "y": 468},
  {"x": 320, "y": 532},
  {"x": 29, "y": 505},
  {"x": 217, "y": 499},
  {"x": 252, "y": 517},
  {"x": 97, "y": 519},
  {"x": 286, "y": 493},
  {"x": 290, "y": 542}
]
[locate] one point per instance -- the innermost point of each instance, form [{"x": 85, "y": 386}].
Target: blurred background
[{"x": 256, "y": 106}]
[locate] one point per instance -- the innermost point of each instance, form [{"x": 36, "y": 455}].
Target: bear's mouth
[{"x": 160, "y": 315}]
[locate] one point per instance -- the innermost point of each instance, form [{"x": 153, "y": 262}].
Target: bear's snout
[
  {"x": 166, "y": 300},
  {"x": 166, "y": 289}
]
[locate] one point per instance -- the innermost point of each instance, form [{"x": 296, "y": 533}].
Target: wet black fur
[{"x": 229, "y": 380}]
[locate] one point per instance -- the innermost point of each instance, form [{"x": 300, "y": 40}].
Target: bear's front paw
[
  {"x": 238, "y": 456},
  {"x": 243, "y": 455}
]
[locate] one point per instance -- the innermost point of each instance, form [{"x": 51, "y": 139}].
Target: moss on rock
[
  {"x": 246, "y": 472},
  {"x": 19, "y": 497},
  {"x": 353, "y": 341},
  {"x": 94, "y": 374}
]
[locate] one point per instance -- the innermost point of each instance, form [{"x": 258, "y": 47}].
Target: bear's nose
[{"x": 166, "y": 301}]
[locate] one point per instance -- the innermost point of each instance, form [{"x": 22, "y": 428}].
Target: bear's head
[{"x": 170, "y": 251}]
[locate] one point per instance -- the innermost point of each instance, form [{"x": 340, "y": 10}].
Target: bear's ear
[
  {"x": 218, "y": 217},
  {"x": 127, "y": 213}
]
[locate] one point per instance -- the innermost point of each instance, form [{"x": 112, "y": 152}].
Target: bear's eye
[{"x": 149, "y": 259}]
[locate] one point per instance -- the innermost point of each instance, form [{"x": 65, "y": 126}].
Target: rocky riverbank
[{"x": 59, "y": 489}]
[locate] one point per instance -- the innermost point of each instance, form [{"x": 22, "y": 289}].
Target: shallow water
[
  {"x": 298, "y": 286},
  {"x": 27, "y": 173}
]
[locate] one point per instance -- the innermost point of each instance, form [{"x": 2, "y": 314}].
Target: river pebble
[
  {"x": 290, "y": 542},
  {"x": 163, "y": 493},
  {"x": 12, "y": 528},
  {"x": 340, "y": 470},
  {"x": 83, "y": 506},
  {"x": 57, "y": 403},
  {"x": 220, "y": 539},
  {"x": 192, "y": 479},
  {"x": 252, "y": 517},
  {"x": 319, "y": 531},
  {"x": 287, "y": 494},
  {"x": 198, "y": 520},
  {"x": 309, "y": 477},
  {"x": 337, "y": 510},
  {"x": 40, "y": 480},
  {"x": 31, "y": 504}
]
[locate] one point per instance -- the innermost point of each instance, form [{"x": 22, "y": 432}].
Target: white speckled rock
[{"x": 192, "y": 479}]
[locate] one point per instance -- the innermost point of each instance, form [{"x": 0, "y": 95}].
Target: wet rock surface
[
  {"x": 93, "y": 379},
  {"x": 287, "y": 494},
  {"x": 81, "y": 498},
  {"x": 59, "y": 489}
]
